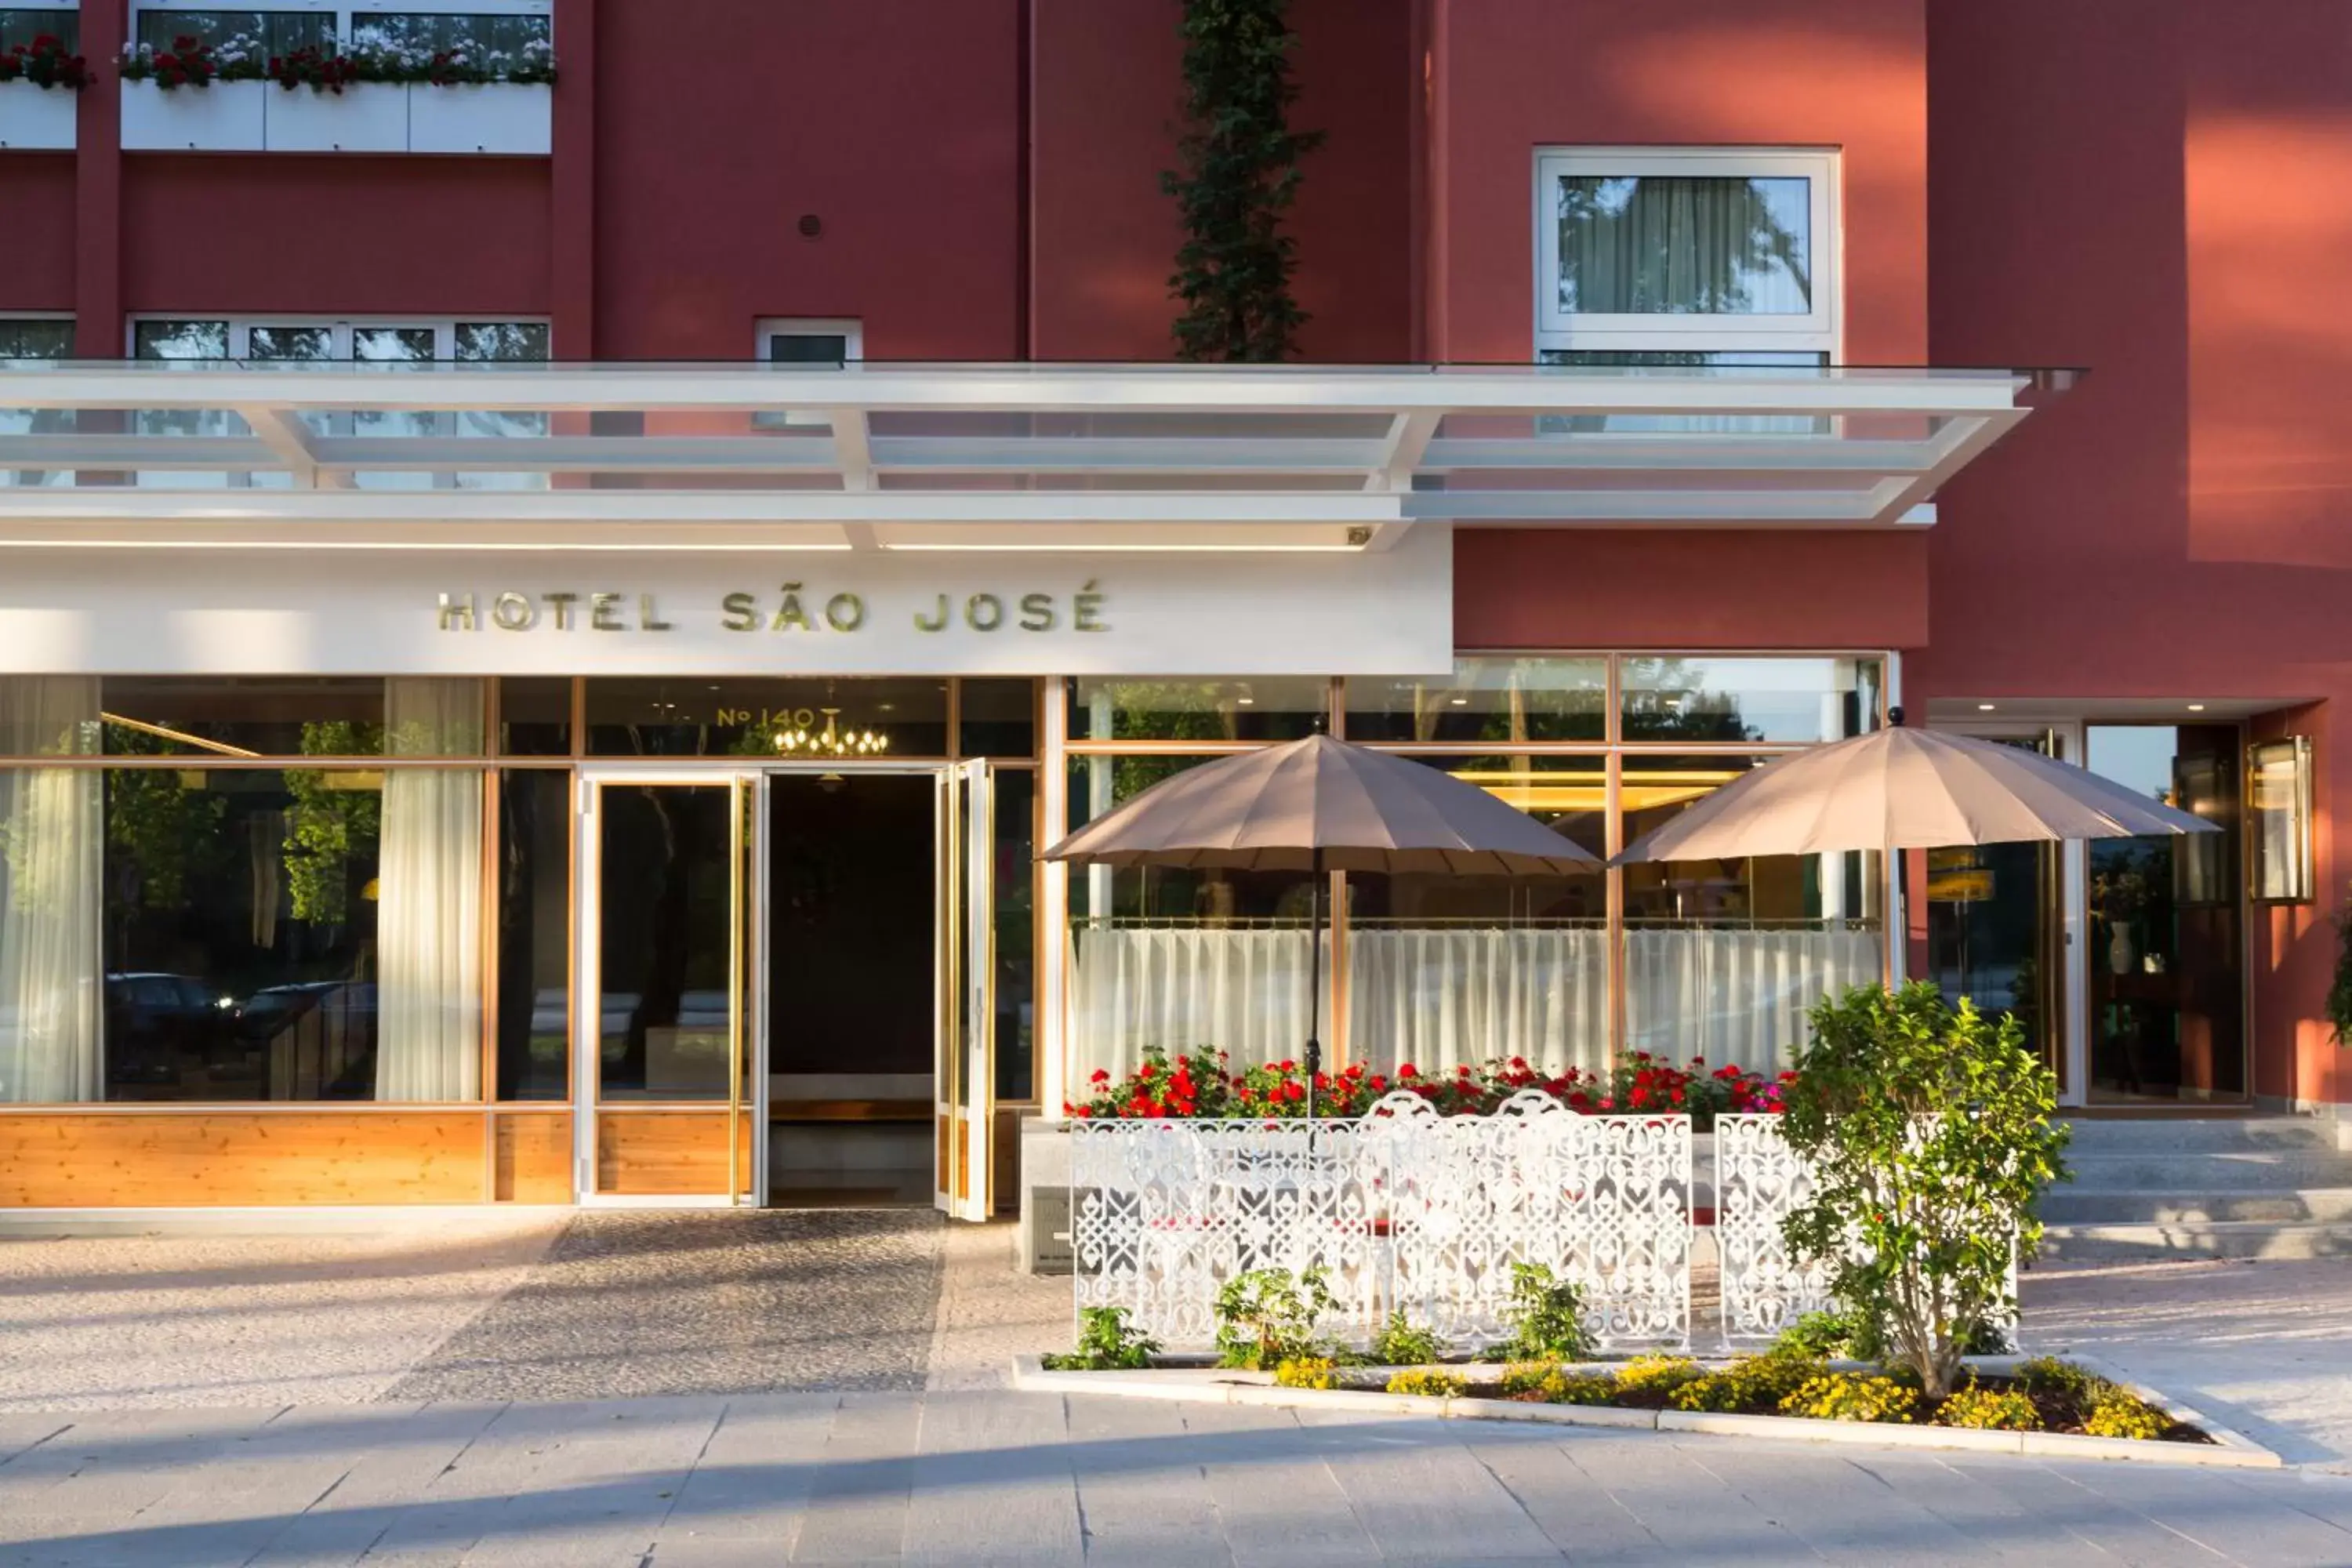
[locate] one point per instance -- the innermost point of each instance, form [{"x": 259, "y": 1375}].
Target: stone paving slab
[
  {"x": 116, "y": 1321},
  {"x": 994, "y": 1476}
]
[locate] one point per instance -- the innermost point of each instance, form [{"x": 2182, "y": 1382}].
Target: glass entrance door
[
  {"x": 664, "y": 1112},
  {"x": 965, "y": 1106},
  {"x": 1998, "y": 924}
]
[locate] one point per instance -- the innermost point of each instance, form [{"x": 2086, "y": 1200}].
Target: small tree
[
  {"x": 1240, "y": 173},
  {"x": 1929, "y": 1134}
]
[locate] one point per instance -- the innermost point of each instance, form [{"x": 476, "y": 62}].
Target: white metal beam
[
  {"x": 282, "y": 433},
  {"x": 854, "y": 451}
]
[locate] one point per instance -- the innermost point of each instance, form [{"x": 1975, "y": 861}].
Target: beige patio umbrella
[
  {"x": 1320, "y": 804},
  {"x": 1898, "y": 789}
]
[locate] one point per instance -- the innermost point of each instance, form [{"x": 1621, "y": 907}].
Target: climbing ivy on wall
[{"x": 1240, "y": 173}]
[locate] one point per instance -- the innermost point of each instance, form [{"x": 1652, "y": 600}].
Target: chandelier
[{"x": 831, "y": 739}]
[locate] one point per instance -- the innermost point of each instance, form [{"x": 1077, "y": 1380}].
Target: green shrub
[
  {"x": 1989, "y": 1410},
  {"x": 1434, "y": 1384},
  {"x": 1821, "y": 1335},
  {"x": 2120, "y": 1413},
  {"x": 1657, "y": 1375},
  {"x": 1546, "y": 1316},
  {"x": 1528, "y": 1376},
  {"x": 1749, "y": 1382},
  {"x": 1401, "y": 1342},
  {"x": 1105, "y": 1343},
  {"x": 1266, "y": 1317},
  {"x": 1851, "y": 1396},
  {"x": 2048, "y": 1374},
  {"x": 1930, "y": 1136},
  {"x": 1305, "y": 1372}
]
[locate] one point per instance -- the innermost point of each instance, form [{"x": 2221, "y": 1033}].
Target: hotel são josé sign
[{"x": 886, "y": 613}]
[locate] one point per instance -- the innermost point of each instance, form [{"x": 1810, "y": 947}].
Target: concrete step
[
  {"x": 2220, "y": 1135},
  {"x": 2067, "y": 1205},
  {"x": 2185, "y": 1171},
  {"x": 2190, "y": 1239}
]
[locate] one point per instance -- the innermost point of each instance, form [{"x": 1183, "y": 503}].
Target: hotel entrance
[{"x": 784, "y": 985}]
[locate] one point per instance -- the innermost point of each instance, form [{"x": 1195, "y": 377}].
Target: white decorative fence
[
  {"x": 1404, "y": 1210},
  {"x": 1759, "y": 1181}
]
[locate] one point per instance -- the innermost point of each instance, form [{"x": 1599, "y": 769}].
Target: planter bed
[{"x": 2192, "y": 1439}]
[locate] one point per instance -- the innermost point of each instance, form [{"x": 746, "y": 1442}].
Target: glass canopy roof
[{"x": 965, "y": 455}]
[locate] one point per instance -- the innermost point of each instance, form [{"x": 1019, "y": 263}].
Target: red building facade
[{"x": 2145, "y": 577}]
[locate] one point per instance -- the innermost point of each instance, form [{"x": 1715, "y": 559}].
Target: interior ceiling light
[
  {"x": 831, "y": 741},
  {"x": 2196, "y": 708},
  {"x": 1984, "y": 707}
]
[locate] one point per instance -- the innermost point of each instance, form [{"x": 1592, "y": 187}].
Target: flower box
[
  {"x": 36, "y": 118},
  {"x": 225, "y": 117},
  {"x": 512, "y": 118},
  {"x": 365, "y": 118}
]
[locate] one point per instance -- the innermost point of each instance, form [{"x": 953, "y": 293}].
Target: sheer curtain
[
  {"x": 429, "y": 897},
  {"x": 1238, "y": 989},
  {"x": 51, "y": 824},
  {"x": 1736, "y": 997},
  {"x": 1676, "y": 245},
  {"x": 1445, "y": 997}
]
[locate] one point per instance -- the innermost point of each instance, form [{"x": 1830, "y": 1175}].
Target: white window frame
[
  {"x": 65, "y": 316},
  {"x": 240, "y": 328},
  {"x": 1818, "y": 332},
  {"x": 344, "y": 10},
  {"x": 769, "y": 327}
]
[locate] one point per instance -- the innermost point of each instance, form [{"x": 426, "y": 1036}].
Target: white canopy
[{"x": 911, "y": 456}]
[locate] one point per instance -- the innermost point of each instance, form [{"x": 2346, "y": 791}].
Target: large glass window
[
  {"x": 1445, "y": 972},
  {"x": 534, "y": 933},
  {"x": 1488, "y": 699},
  {"x": 1687, "y": 250},
  {"x": 1723, "y": 958},
  {"x": 1280, "y": 708},
  {"x": 2167, "y": 938},
  {"x": 496, "y": 29},
  {"x": 1700, "y": 700},
  {"x": 1014, "y": 933}
]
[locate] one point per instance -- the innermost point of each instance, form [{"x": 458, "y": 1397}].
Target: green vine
[
  {"x": 162, "y": 828},
  {"x": 1239, "y": 176},
  {"x": 330, "y": 823},
  {"x": 2339, "y": 990}
]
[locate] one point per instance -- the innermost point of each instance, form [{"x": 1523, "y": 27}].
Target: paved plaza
[{"x": 671, "y": 1390}]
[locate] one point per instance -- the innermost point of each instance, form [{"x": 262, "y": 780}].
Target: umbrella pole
[{"x": 1314, "y": 980}]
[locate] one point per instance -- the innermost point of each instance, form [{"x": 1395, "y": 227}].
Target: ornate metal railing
[{"x": 1402, "y": 1210}]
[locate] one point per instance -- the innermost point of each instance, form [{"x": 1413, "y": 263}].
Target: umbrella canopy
[
  {"x": 1321, "y": 804},
  {"x": 1907, "y": 789}
]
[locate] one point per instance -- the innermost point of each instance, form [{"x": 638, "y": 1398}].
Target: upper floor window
[
  {"x": 20, "y": 25},
  {"x": 35, "y": 337},
  {"x": 811, "y": 343},
  {"x": 378, "y": 340},
  {"x": 1691, "y": 257},
  {"x": 503, "y": 29}
]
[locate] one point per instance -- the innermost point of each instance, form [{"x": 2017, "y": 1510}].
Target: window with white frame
[
  {"x": 35, "y": 337},
  {"x": 792, "y": 340},
  {"x": 1693, "y": 256},
  {"x": 806, "y": 343},
  {"x": 20, "y": 25},
  {"x": 365, "y": 340},
  {"x": 504, "y": 28}
]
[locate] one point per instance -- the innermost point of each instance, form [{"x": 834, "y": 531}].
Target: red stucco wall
[
  {"x": 894, "y": 123},
  {"x": 36, "y": 214},
  {"x": 2136, "y": 185}
]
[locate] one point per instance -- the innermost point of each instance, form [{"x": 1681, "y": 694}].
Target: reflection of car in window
[
  {"x": 317, "y": 1038},
  {"x": 154, "y": 1023}
]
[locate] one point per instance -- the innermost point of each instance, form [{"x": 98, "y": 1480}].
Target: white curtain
[
  {"x": 51, "y": 824},
  {"x": 429, "y": 897},
  {"x": 1736, "y": 997},
  {"x": 1445, "y": 997},
  {"x": 1679, "y": 245},
  {"x": 1239, "y": 991}
]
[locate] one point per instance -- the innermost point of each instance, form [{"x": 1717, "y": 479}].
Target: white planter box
[
  {"x": 36, "y": 118},
  {"x": 499, "y": 117},
  {"x": 371, "y": 117},
  {"x": 225, "y": 117}
]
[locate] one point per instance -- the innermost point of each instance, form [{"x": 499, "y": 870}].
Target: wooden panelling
[
  {"x": 534, "y": 1149},
  {"x": 646, "y": 1154},
  {"x": 204, "y": 1157}
]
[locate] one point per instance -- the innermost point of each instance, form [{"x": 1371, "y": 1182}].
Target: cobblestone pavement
[
  {"x": 1000, "y": 1476},
  {"x": 634, "y": 1304},
  {"x": 2265, "y": 1346}
]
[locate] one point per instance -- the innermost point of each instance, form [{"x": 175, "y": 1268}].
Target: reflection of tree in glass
[
  {"x": 1675, "y": 246},
  {"x": 162, "y": 830},
  {"x": 327, "y": 826},
  {"x": 1665, "y": 700}
]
